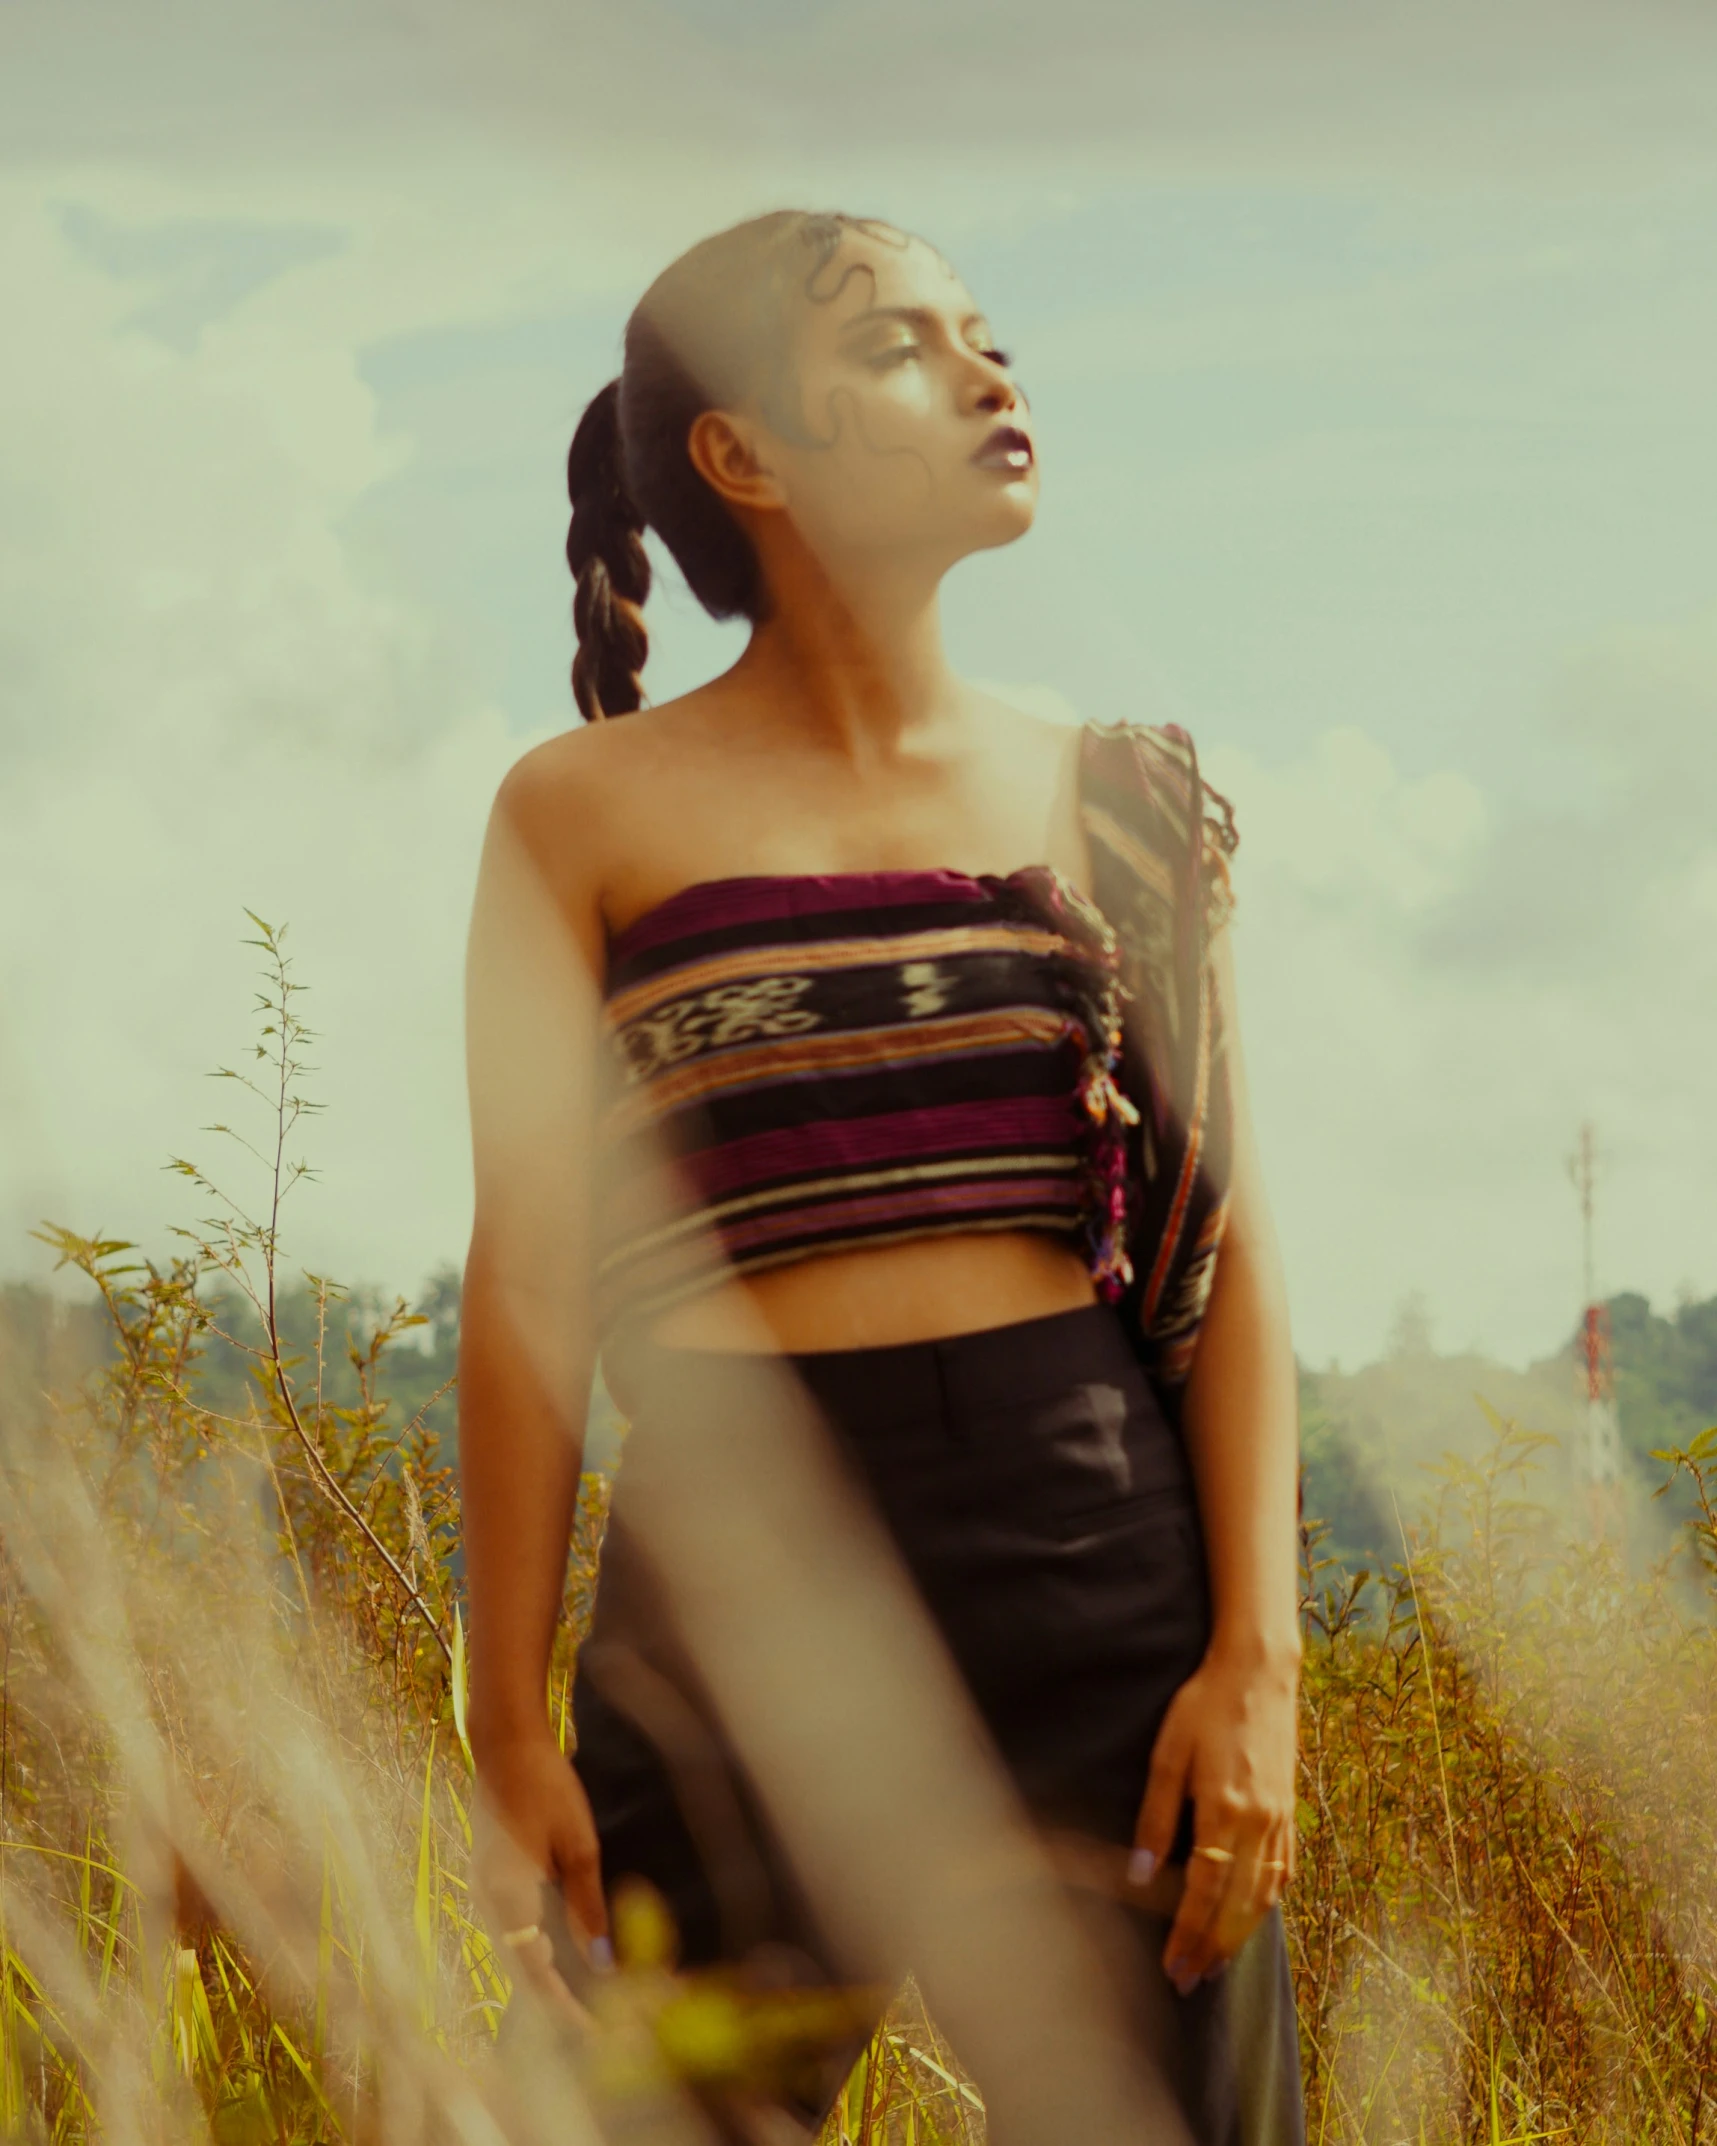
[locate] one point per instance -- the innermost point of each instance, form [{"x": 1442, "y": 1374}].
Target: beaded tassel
[{"x": 1109, "y": 1111}]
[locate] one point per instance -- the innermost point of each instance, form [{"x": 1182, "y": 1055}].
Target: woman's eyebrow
[{"x": 911, "y": 316}]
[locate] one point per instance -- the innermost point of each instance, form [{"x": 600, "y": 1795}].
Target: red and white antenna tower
[{"x": 1601, "y": 1456}]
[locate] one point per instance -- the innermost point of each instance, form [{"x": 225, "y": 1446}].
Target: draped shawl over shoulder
[{"x": 1159, "y": 843}]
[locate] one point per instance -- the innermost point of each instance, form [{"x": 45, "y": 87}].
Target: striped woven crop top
[{"x": 802, "y": 1065}]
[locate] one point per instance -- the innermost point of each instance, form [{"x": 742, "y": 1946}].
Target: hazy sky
[{"x": 1371, "y": 350}]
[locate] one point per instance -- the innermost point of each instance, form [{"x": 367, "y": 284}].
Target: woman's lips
[{"x": 1007, "y": 448}]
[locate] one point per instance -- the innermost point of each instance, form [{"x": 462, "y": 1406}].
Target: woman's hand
[
  {"x": 531, "y": 1827},
  {"x": 1228, "y": 1742}
]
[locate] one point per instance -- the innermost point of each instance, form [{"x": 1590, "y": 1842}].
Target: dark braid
[
  {"x": 713, "y": 329},
  {"x": 605, "y": 549}
]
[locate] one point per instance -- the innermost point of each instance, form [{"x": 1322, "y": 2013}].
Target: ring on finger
[
  {"x": 1282, "y": 1867},
  {"x": 1214, "y": 1854},
  {"x": 525, "y": 1934}
]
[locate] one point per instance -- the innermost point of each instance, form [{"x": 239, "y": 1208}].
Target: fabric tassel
[{"x": 1095, "y": 1028}]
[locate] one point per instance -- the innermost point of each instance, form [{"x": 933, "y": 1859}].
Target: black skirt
[{"x": 1044, "y": 1508}]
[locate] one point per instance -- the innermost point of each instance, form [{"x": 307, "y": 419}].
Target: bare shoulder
[
  {"x": 1023, "y": 738},
  {"x": 574, "y": 800}
]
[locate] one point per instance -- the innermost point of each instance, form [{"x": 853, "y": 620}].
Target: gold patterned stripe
[
  {"x": 814, "y": 957},
  {"x": 843, "y": 1051}
]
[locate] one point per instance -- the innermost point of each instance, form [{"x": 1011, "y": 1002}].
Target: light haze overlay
[{"x": 1371, "y": 351}]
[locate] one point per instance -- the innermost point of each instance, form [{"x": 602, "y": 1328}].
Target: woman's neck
[{"x": 865, "y": 669}]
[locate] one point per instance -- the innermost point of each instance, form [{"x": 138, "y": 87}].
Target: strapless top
[
  {"x": 797, "y": 1065},
  {"x": 802, "y": 1065}
]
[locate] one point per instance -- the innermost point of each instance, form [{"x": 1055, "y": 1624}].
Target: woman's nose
[{"x": 991, "y": 391}]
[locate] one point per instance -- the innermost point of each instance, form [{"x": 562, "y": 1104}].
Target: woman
[{"x": 839, "y": 1014}]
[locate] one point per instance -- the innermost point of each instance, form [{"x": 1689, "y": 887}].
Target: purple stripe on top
[
  {"x": 923, "y": 1203},
  {"x": 940, "y": 1131},
  {"x": 768, "y": 897}
]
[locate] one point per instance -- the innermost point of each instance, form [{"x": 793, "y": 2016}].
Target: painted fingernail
[
  {"x": 601, "y": 1953},
  {"x": 1141, "y": 1866},
  {"x": 1176, "y": 1968},
  {"x": 1185, "y": 1984}
]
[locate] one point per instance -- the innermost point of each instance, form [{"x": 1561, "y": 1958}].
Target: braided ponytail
[
  {"x": 605, "y": 549},
  {"x": 714, "y": 327}
]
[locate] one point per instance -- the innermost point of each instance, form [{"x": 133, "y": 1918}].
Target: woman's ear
[{"x": 724, "y": 452}]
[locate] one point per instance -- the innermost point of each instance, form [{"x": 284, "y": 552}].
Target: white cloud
[
  {"x": 1419, "y": 1065},
  {"x": 1342, "y": 823},
  {"x": 210, "y": 712}
]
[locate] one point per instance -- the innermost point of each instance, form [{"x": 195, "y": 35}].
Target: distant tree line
[
  {"x": 1665, "y": 1371},
  {"x": 49, "y": 1342}
]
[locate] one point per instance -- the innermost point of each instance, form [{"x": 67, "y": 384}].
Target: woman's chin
[{"x": 1008, "y": 519}]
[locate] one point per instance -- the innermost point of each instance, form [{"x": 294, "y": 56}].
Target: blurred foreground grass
[{"x": 235, "y": 1795}]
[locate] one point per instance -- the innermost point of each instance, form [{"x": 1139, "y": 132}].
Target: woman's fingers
[
  {"x": 1165, "y": 1792},
  {"x": 521, "y": 1903},
  {"x": 1255, "y": 1881},
  {"x": 1241, "y": 1907},
  {"x": 508, "y": 1882},
  {"x": 1209, "y": 1872},
  {"x": 514, "y": 1902},
  {"x": 1278, "y": 1864},
  {"x": 578, "y": 1865},
  {"x": 529, "y": 1959},
  {"x": 519, "y": 1924}
]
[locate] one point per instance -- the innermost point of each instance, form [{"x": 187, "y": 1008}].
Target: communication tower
[{"x": 1601, "y": 1456}]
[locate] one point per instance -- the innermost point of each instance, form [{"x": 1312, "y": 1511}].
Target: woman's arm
[
  {"x": 525, "y": 1353},
  {"x": 1228, "y": 1739},
  {"x": 1242, "y": 1406}
]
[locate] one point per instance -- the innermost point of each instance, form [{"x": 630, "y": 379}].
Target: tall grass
[
  {"x": 1505, "y": 1924},
  {"x": 235, "y": 1795}
]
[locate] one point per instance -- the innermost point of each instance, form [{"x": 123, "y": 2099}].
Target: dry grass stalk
[{"x": 1505, "y": 1908}]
